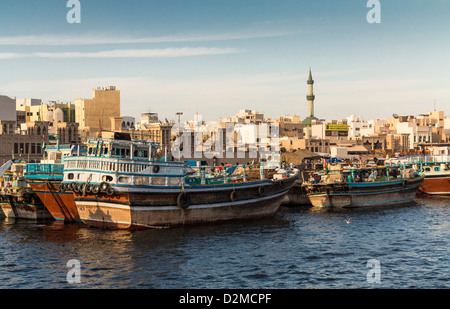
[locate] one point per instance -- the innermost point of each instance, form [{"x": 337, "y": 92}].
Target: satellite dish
[{"x": 395, "y": 116}]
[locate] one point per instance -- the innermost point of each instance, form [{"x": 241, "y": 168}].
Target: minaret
[{"x": 310, "y": 97}]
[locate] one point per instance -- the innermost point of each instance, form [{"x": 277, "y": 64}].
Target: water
[{"x": 298, "y": 248}]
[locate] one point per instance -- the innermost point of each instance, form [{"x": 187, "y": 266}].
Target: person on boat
[
  {"x": 362, "y": 176},
  {"x": 373, "y": 175},
  {"x": 394, "y": 173}
]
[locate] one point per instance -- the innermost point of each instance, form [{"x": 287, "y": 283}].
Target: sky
[{"x": 216, "y": 57}]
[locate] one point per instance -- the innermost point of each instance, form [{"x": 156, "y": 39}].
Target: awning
[{"x": 298, "y": 156}]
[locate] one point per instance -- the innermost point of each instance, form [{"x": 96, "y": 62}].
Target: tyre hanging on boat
[
  {"x": 95, "y": 189},
  {"x": 110, "y": 191},
  {"x": 68, "y": 186},
  {"x": 233, "y": 196},
  {"x": 261, "y": 191},
  {"x": 183, "y": 200},
  {"x": 104, "y": 186},
  {"x": 76, "y": 187}
]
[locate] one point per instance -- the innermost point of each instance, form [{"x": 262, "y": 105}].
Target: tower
[{"x": 310, "y": 97}]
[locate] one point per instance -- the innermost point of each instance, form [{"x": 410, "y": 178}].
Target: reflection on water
[{"x": 299, "y": 247}]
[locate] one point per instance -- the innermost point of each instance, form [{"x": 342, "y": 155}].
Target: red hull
[
  {"x": 60, "y": 204},
  {"x": 438, "y": 186}
]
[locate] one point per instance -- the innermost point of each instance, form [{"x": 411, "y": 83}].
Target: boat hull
[
  {"x": 25, "y": 211},
  {"x": 26, "y": 206},
  {"x": 364, "y": 194},
  {"x": 297, "y": 195},
  {"x": 61, "y": 205},
  {"x": 157, "y": 209},
  {"x": 436, "y": 185}
]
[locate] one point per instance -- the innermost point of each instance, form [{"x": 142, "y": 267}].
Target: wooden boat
[
  {"x": 297, "y": 195},
  {"x": 3, "y": 169},
  {"x": 436, "y": 169},
  {"x": 45, "y": 179},
  {"x": 118, "y": 185},
  {"x": 18, "y": 200},
  {"x": 354, "y": 189}
]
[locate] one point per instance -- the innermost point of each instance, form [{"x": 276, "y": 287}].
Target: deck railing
[
  {"x": 33, "y": 168},
  {"x": 429, "y": 159}
]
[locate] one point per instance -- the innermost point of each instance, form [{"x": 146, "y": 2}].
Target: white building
[
  {"x": 355, "y": 124},
  {"x": 318, "y": 131},
  {"x": 417, "y": 134},
  {"x": 373, "y": 126},
  {"x": 128, "y": 123},
  {"x": 245, "y": 116},
  {"x": 339, "y": 152},
  {"x": 21, "y": 103},
  {"x": 147, "y": 118}
]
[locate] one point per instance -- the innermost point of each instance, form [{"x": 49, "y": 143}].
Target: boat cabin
[
  {"x": 52, "y": 165},
  {"x": 122, "y": 162}
]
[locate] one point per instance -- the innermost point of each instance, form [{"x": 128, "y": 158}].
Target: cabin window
[
  {"x": 71, "y": 176},
  {"x": 90, "y": 150},
  {"x": 123, "y": 179},
  {"x": 105, "y": 150},
  {"x": 427, "y": 169},
  {"x": 159, "y": 181},
  {"x": 436, "y": 169},
  {"x": 174, "y": 181},
  {"x": 142, "y": 181},
  {"x": 107, "y": 178}
]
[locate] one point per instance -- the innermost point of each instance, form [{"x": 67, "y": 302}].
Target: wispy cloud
[
  {"x": 128, "y": 53},
  {"x": 9, "y": 55},
  {"x": 96, "y": 39}
]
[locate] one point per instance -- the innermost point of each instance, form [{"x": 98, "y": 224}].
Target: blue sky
[{"x": 216, "y": 57}]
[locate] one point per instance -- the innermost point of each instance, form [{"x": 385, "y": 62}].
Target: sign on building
[{"x": 336, "y": 130}]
